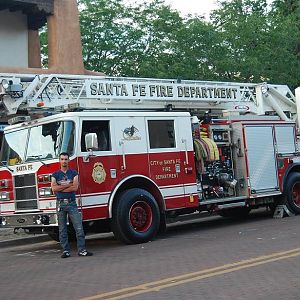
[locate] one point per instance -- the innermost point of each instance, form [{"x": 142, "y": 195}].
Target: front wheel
[
  {"x": 291, "y": 196},
  {"x": 136, "y": 216}
]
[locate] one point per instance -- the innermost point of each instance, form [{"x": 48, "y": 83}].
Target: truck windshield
[{"x": 38, "y": 143}]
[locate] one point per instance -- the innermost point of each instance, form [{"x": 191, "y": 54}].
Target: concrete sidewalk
[{"x": 9, "y": 238}]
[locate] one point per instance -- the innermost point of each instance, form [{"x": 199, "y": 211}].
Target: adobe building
[{"x": 20, "y": 21}]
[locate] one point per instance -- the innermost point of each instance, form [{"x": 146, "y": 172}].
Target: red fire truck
[{"x": 146, "y": 150}]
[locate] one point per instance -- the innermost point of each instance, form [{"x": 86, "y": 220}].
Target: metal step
[
  {"x": 222, "y": 200},
  {"x": 230, "y": 205}
]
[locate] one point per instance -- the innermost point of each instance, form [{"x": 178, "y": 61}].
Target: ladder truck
[{"x": 147, "y": 150}]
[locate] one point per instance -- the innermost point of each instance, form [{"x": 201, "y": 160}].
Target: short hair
[{"x": 64, "y": 154}]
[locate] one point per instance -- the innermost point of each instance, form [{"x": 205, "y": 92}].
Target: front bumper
[{"x": 30, "y": 220}]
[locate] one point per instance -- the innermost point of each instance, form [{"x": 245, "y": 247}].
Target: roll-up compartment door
[{"x": 261, "y": 158}]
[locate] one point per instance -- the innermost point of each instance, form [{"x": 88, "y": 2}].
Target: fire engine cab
[{"x": 146, "y": 150}]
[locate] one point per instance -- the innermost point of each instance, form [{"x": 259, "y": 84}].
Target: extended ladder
[{"x": 36, "y": 93}]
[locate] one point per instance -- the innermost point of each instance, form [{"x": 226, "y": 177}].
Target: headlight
[
  {"x": 44, "y": 192},
  {"x": 3, "y": 221},
  {"x": 4, "y": 196},
  {"x": 41, "y": 219},
  {"x": 5, "y": 84}
]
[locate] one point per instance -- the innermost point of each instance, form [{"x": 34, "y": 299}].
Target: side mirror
[{"x": 91, "y": 141}]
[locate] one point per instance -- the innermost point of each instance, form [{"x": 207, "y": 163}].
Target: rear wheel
[
  {"x": 291, "y": 196},
  {"x": 136, "y": 216}
]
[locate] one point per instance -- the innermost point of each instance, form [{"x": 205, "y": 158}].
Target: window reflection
[{"x": 38, "y": 143}]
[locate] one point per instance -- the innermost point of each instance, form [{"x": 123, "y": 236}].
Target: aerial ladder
[
  {"x": 217, "y": 160},
  {"x": 50, "y": 93}
]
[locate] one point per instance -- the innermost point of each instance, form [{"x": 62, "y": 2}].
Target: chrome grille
[{"x": 25, "y": 192}]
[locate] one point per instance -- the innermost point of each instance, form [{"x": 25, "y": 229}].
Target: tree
[
  {"x": 156, "y": 26},
  {"x": 145, "y": 40},
  {"x": 286, "y": 7},
  {"x": 245, "y": 40},
  {"x": 288, "y": 12},
  {"x": 106, "y": 34},
  {"x": 257, "y": 44},
  {"x": 194, "y": 50},
  {"x": 127, "y": 40}
]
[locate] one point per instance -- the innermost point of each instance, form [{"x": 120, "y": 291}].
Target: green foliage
[
  {"x": 44, "y": 46},
  {"x": 128, "y": 40},
  {"x": 244, "y": 32},
  {"x": 104, "y": 28},
  {"x": 259, "y": 44},
  {"x": 286, "y": 7},
  {"x": 245, "y": 40},
  {"x": 285, "y": 15}
]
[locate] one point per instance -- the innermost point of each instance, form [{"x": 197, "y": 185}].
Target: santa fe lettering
[
  {"x": 139, "y": 90},
  {"x": 108, "y": 89},
  {"x": 24, "y": 168}
]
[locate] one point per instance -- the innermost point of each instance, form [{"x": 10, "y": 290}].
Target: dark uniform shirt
[{"x": 65, "y": 178}]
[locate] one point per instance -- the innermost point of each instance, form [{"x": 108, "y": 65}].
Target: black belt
[{"x": 66, "y": 200}]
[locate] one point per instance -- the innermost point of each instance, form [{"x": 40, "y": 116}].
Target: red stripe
[
  {"x": 182, "y": 202},
  {"x": 95, "y": 213},
  {"x": 48, "y": 209}
]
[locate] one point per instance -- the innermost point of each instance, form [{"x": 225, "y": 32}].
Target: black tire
[
  {"x": 238, "y": 212},
  {"x": 136, "y": 217},
  {"x": 54, "y": 234},
  {"x": 291, "y": 194},
  {"x": 163, "y": 224}
]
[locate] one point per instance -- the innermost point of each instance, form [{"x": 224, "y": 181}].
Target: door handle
[
  {"x": 186, "y": 152},
  {"x": 123, "y": 167}
]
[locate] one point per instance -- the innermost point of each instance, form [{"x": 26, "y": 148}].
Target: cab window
[
  {"x": 101, "y": 128},
  {"x": 161, "y": 134}
]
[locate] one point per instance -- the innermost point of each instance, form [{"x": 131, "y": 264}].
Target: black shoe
[
  {"x": 66, "y": 254},
  {"x": 85, "y": 253}
]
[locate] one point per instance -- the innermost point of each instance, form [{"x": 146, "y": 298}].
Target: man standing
[{"x": 64, "y": 184}]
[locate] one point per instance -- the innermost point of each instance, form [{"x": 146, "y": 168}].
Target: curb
[{"x": 25, "y": 241}]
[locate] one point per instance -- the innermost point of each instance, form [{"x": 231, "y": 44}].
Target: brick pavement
[{"x": 187, "y": 247}]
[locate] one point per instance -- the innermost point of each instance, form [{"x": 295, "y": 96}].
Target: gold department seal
[{"x": 99, "y": 173}]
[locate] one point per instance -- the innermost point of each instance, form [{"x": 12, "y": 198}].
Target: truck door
[
  {"x": 166, "y": 159},
  {"x": 131, "y": 146},
  {"x": 97, "y": 170},
  {"x": 188, "y": 173}
]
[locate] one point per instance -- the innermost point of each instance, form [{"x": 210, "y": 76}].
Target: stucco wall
[{"x": 13, "y": 39}]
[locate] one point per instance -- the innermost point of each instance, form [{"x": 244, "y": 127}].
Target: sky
[{"x": 200, "y": 7}]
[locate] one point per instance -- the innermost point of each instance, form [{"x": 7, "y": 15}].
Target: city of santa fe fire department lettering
[{"x": 99, "y": 173}]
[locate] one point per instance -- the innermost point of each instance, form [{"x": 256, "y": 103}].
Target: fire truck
[{"x": 147, "y": 150}]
